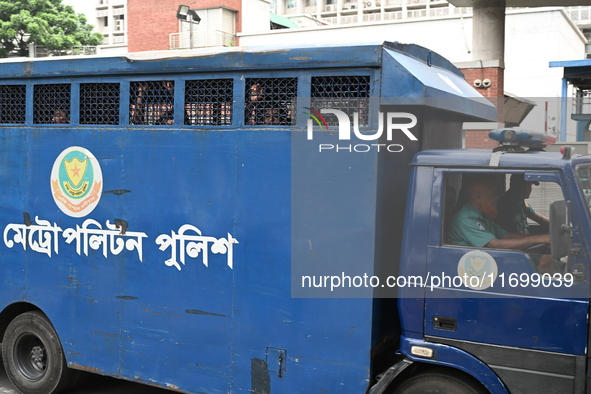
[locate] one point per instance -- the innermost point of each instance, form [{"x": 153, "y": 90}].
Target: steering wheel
[{"x": 539, "y": 249}]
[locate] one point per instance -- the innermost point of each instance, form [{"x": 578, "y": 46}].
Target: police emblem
[
  {"x": 478, "y": 270},
  {"x": 518, "y": 217},
  {"x": 76, "y": 182}
]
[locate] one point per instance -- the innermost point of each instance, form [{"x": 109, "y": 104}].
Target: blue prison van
[{"x": 178, "y": 218}]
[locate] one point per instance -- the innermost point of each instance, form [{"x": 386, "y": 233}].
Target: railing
[
  {"x": 391, "y": 16},
  {"x": 388, "y": 16},
  {"x": 372, "y": 17},
  {"x": 462, "y": 10},
  {"x": 579, "y": 14},
  {"x": 43, "y": 51},
  {"x": 118, "y": 39},
  {"x": 411, "y": 14},
  {"x": 174, "y": 40},
  {"x": 398, "y": 15},
  {"x": 439, "y": 11},
  {"x": 376, "y": 17},
  {"x": 201, "y": 39},
  {"x": 582, "y": 105},
  {"x": 345, "y": 20}
]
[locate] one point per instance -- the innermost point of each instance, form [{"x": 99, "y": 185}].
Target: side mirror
[{"x": 560, "y": 229}]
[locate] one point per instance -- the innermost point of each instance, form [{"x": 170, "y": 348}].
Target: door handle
[{"x": 445, "y": 323}]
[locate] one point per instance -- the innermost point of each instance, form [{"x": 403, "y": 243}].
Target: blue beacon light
[{"x": 515, "y": 139}]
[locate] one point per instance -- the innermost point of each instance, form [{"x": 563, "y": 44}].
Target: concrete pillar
[
  {"x": 280, "y": 7},
  {"x": 488, "y": 48},
  {"x": 360, "y": 7},
  {"x": 300, "y": 7},
  {"x": 319, "y": 7},
  {"x": 340, "y": 4},
  {"x": 404, "y": 9},
  {"x": 488, "y": 31}
]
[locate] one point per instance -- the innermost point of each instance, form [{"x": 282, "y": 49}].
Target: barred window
[
  {"x": 151, "y": 103},
  {"x": 209, "y": 102},
  {"x": 349, "y": 94},
  {"x": 99, "y": 103},
  {"x": 51, "y": 103},
  {"x": 13, "y": 103},
  {"x": 270, "y": 101}
]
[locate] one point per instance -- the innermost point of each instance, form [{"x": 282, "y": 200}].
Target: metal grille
[
  {"x": 13, "y": 103},
  {"x": 349, "y": 94},
  {"x": 209, "y": 102},
  {"x": 99, "y": 103},
  {"x": 270, "y": 101},
  {"x": 151, "y": 103},
  {"x": 51, "y": 103}
]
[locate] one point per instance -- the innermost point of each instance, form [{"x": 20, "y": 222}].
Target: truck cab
[{"x": 491, "y": 312}]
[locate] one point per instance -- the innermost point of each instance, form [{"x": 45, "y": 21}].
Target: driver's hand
[{"x": 549, "y": 265}]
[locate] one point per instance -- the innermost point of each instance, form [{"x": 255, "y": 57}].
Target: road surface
[{"x": 94, "y": 385}]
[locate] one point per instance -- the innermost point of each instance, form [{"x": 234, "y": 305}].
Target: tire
[
  {"x": 440, "y": 382},
  {"x": 33, "y": 356}
]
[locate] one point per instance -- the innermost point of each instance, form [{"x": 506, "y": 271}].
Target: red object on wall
[{"x": 150, "y": 22}]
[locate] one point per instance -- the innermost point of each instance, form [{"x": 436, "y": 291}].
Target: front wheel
[
  {"x": 439, "y": 382},
  {"x": 33, "y": 356}
]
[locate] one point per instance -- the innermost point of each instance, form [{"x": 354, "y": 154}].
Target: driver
[{"x": 473, "y": 224}]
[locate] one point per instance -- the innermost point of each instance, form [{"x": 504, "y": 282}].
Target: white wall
[
  {"x": 527, "y": 71},
  {"x": 256, "y": 16},
  {"x": 444, "y": 36},
  {"x": 533, "y": 39},
  {"x": 113, "y": 50}
]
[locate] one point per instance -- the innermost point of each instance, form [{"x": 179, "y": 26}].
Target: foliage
[{"x": 42, "y": 22}]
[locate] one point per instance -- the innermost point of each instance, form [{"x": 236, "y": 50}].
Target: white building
[
  {"x": 363, "y": 11},
  {"x": 527, "y": 71},
  {"x": 434, "y": 24},
  {"x": 107, "y": 17}
]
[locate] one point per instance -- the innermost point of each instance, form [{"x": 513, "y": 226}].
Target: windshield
[{"x": 584, "y": 176}]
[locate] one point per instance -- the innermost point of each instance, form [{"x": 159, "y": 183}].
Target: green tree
[{"x": 42, "y": 22}]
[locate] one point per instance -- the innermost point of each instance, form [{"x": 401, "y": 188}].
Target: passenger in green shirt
[{"x": 514, "y": 211}]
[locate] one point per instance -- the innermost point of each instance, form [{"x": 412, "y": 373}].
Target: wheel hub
[
  {"x": 38, "y": 357},
  {"x": 30, "y": 357}
]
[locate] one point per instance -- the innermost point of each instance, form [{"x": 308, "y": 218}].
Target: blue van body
[{"x": 175, "y": 254}]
